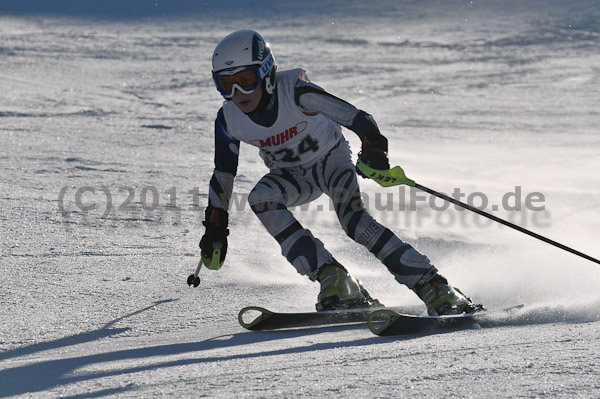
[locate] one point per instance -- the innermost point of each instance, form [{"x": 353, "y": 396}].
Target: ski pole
[
  {"x": 213, "y": 264},
  {"x": 396, "y": 177},
  {"x": 193, "y": 279}
]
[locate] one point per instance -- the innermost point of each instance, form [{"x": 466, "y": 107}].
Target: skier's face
[{"x": 247, "y": 102}]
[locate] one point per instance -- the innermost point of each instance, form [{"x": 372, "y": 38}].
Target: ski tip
[
  {"x": 380, "y": 320},
  {"x": 250, "y": 316}
]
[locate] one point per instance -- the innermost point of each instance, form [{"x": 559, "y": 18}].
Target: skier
[{"x": 297, "y": 127}]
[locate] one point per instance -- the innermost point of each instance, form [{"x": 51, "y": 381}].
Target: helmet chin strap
[{"x": 267, "y": 98}]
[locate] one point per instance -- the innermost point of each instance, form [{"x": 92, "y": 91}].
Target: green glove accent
[{"x": 215, "y": 263}]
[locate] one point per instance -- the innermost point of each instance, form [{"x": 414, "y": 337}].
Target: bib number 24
[{"x": 291, "y": 155}]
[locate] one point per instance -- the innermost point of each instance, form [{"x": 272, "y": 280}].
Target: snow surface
[{"x": 489, "y": 97}]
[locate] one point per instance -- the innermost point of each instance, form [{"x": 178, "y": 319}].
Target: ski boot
[
  {"x": 441, "y": 298},
  {"x": 339, "y": 290}
]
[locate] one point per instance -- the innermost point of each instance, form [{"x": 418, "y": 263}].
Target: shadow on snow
[{"x": 45, "y": 375}]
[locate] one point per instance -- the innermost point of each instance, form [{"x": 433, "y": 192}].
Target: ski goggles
[{"x": 245, "y": 79}]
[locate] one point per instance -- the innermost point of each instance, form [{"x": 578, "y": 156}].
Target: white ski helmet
[{"x": 241, "y": 61}]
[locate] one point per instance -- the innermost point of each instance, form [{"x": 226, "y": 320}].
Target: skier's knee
[{"x": 262, "y": 199}]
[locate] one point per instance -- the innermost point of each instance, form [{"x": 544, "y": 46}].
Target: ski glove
[
  {"x": 213, "y": 245},
  {"x": 374, "y": 154}
]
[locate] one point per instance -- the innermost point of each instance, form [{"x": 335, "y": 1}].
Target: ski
[
  {"x": 258, "y": 318},
  {"x": 386, "y": 322}
]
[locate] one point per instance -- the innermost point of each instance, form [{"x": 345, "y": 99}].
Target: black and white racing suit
[{"x": 298, "y": 132}]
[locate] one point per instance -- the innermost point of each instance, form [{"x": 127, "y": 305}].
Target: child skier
[{"x": 297, "y": 127}]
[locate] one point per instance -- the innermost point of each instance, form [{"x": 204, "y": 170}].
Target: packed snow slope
[{"x": 106, "y": 150}]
